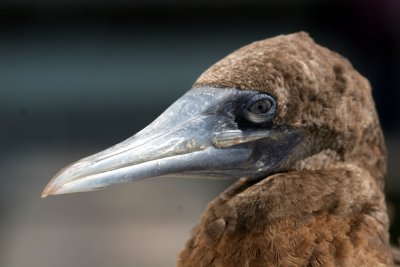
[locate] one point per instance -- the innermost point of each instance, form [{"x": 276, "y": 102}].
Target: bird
[{"x": 296, "y": 126}]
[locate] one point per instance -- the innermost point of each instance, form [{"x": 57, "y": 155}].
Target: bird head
[{"x": 276, "y": 105}]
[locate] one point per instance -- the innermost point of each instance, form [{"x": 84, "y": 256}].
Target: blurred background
[{"x": 79, "y": 76}]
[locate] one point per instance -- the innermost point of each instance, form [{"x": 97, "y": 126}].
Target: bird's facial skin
[
  {"x": 300, "y": 127},
  {"x": 208, "y": 132}
]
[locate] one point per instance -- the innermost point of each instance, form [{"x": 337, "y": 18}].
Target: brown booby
[{"x": 297, "y": 124}]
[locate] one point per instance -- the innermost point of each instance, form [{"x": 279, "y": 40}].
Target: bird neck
[{"x": 335, "y": 216}]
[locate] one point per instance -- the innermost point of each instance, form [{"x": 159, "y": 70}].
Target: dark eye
[{"x": 260, "y": 109}]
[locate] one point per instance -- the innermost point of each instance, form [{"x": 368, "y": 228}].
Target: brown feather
[
  {"x": 322, "y": 218},
  {"x": 327, "y": 208}
]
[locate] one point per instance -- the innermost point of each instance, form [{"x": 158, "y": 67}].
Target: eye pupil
[{"x": 260, "y": 107}]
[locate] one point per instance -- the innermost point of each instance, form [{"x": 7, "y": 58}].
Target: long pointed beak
[{"x": 195, "y": 137}]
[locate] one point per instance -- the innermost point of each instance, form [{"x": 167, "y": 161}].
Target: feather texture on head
[{"x": 317, "y": 90}]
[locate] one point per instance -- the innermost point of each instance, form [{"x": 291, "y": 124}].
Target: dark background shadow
[{"x": 77, "y": 77}]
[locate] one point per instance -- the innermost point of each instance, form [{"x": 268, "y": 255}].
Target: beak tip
[{"x": 48, "y": 190}]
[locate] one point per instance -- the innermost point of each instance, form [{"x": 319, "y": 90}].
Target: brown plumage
[
  {"x": 300, "y": 123},
  {"x": 327, "y": 209}
]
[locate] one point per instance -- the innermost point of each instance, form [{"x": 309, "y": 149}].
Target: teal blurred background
[{"x": 79, "y": 76}]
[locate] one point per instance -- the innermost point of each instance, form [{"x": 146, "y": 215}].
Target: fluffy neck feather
[{"x": 333, "y": 217}]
